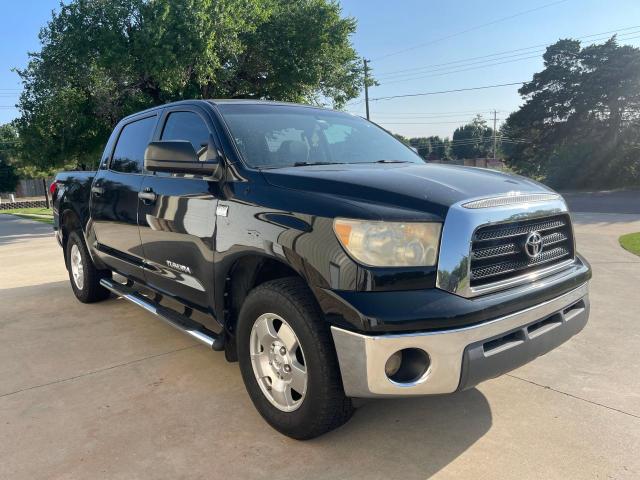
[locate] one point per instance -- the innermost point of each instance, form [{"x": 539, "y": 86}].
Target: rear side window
[
  {"x": 187, "y": 126},
  {"x": 128, "y": 156}
]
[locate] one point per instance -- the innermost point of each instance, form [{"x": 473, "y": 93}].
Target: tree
[
  {"x": 438, "y": 148},
  {"x": 8, "y": 144},
  {"x": 421, "y": 144},
  {"x": 101, "y": 60},
  {"x": 472, "y": 140},
  {"x": 579, "y": 125},
  {"x": 402, "y": 138},
  {"x": 430, "y": 148}
]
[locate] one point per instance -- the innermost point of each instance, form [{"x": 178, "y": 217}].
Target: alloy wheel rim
[
  {"x": 278, "y": 362},
  {"x": 77, "y": 269}
]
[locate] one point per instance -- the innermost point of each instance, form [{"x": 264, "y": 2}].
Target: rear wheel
[
  {"x": 83, "y": 275},
  {"x": 288, "y": 361}
]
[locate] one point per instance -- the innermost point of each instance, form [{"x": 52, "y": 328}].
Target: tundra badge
[{"x": 177, "y": 266}]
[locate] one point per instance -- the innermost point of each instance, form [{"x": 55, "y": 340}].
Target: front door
[
  {"x": 114, "y": 200},
  {"x": 177, "y": 218}
]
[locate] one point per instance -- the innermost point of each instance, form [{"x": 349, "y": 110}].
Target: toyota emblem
[{"x": 533, "y": 244}]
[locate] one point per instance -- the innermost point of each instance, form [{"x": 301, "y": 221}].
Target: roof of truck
[{"x": 222, "y": 101}]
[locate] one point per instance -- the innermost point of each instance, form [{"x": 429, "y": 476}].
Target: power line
[
  {"x": 459, "y": 70},
  {"x": 450, "y": 112},
  {"x": 451, "y": 67},
  {"x": 481, "y": 64},
  {"x": 443, "y": 91},
  {"x": 464, "y": 60},
  {"x": 471, "y": 29},
  {"x": 462, "y": 143},
  {"x": 454, "y": 65},
  {"x": 398, "y": 115},
  {"x": 426, "y": 123}
]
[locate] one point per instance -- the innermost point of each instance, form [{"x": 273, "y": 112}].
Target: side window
[
  {"x": 128, "y": 156},
  {"x": 187, "y": 126}
]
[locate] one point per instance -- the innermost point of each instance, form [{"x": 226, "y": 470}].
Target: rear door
[
  {"x": 114, "y": 199},
  {"x": 178, "y": 218}
]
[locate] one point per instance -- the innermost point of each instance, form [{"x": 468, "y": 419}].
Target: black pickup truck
[{"x": 322, "y": 254}]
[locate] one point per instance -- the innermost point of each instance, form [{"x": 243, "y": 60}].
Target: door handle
[
  {"x": 147, "y": 196},
  {"x": 97, "y": 191}
]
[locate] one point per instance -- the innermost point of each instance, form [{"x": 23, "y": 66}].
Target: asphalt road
[
  {"x": 108, "y": 391},
  {"x": 626, "y": 201}
]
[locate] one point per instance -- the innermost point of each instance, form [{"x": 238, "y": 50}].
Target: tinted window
[
  {"x": 128, "y": 156},
  {"x": 274, "y": 136},
  {"x": 187, "y": 126}
]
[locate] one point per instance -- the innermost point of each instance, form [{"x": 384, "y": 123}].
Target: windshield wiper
[
  {"x": 391, "y": 161},
  {"x": 306, "y": 164}
]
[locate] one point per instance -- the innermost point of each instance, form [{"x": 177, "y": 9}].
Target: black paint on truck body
[{"x": 283, "y": 215}]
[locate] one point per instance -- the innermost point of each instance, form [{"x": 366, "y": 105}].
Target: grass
[
  {"x": 43, "y": 215},
  {"x": 631, "y": 242}
]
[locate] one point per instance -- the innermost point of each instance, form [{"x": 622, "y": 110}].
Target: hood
[{"x": 428, "y": 188}]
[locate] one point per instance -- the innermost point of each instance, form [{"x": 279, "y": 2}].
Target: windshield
[{"x": 273, "y": 136}]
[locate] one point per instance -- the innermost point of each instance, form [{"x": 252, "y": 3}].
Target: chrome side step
[{"x": 173, "y": 318}]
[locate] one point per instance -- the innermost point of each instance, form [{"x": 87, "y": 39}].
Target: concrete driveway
[{"x": 108, "y": 391}]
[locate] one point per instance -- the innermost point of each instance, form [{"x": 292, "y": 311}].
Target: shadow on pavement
[
  {"x": 412, "y": 437},
  {"x": 111, "y": 353},
  {"x": 15, "y": 229}
]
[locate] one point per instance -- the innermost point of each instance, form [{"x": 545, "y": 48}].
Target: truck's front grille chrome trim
[
  {"x": 556, "y": 240},
  {"x": 508, "y": 267},
  {"x": 517, "y": 231},
  {"x": 508, "y": 249},
  {"x": 482, "y": 250},
  {"x": 511, "y": 199}
]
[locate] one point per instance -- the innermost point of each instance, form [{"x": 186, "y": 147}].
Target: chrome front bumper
[{"x": 527, "y": 334}]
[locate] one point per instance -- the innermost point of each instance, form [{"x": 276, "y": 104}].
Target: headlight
[{"x": 389, "y": 244}]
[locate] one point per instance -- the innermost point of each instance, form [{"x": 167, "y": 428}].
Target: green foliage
[
  {"x": 102, "y": 60},
  {"x": 8, "y": 146},
  {"x": 430, "y": 148},
  {"x": 402, "y": 138},
  {"x": 580, "y": 123},
  {"x": 631, "y": 242},
  {"x": 473, "y": 140},
  {"x": 8, "y": 177},
  {"x": 44, "y": 215}
]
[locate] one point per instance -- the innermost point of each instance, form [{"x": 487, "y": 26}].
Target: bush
[{"x": 8, "y": 177}]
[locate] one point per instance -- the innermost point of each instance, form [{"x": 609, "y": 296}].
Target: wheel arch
[
  {"x": 242, "y": 275},
  {"x": 69, "y": 222}
]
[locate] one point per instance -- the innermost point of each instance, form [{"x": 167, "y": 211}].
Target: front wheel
[{"x": 288, "y": 361}]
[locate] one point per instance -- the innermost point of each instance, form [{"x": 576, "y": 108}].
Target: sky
[{"x": 415, "y": 46}]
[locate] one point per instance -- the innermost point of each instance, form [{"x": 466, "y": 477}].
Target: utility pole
[
  {"x": 46, "y": 192},
  {"x": 495, "y": 135},
  {"x": 366, "y": 85}
]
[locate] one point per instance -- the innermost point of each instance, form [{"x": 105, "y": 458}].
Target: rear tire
[
  {"x": 294, "y": 379},
  {"x": 83, "y": 275}
]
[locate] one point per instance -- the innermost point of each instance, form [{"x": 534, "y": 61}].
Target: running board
[{"x": 173, "y": 318}]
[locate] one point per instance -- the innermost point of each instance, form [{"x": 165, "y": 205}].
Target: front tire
[
  {"x": 83, "y": 275},
  {"x": 288, "y": 361}
]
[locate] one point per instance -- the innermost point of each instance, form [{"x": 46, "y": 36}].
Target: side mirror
[{"x": 177, "y": 156}]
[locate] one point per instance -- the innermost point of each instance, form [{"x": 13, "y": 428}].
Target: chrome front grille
[{"x": 498, "y": 251}]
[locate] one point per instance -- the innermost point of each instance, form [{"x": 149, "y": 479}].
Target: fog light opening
[{"x": 407, "y": 365}]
